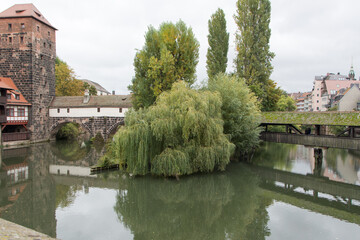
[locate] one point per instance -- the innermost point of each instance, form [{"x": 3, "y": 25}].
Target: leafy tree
[
  {"x": 181, "y": 134},
  {"x": 286, "y": 103},
  {"x": 66, "y": 82},
  {"x": 170, "y": 54},
  {"x": 218, "y": 40},
  {"x": 91, "y": 88},
  {"x": 253, "y": 61},
  {"x": 239, "y": 111}
]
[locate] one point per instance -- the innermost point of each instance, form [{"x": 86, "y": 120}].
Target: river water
[{"x": 282, "y": 195}]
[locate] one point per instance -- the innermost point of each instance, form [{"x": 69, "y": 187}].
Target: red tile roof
[
  {"x": 13, "y": 90},
  {"x": 25, "y": 10}
]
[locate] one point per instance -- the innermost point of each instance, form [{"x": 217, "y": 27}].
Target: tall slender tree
[
  {"x": 218, "y": 39},
  {"x": 254, "y": 57},
  {"x": 170, "y": 54}
]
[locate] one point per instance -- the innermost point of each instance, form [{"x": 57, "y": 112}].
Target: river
[{"x": 283, "y": 194}]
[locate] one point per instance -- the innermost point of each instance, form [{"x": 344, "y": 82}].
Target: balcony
[{"x": 15, "y": 136}]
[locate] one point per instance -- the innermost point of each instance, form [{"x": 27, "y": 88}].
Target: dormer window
[
  {"x": 19, "y": 11},
  {"x": 17, "y": 96},
  {"x": 9, "y": 96}
]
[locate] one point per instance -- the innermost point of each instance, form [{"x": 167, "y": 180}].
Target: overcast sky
[{"x": 98, "y": 39}]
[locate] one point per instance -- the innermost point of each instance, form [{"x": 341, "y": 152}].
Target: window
[
  {"x": 10, "y": 112},
  {"x": 98, "y": 109},
  {"x": 38, "y": 28},
  {"x": 49, "y": 34},
  {"x": 337, "y": 85},
  {"x": 42, "y": 57},
  {"x": 44, "y": 45},
  {"x": 317, "y": 108},
  {"x": 10, "y": 39},
  {"x": 21, "y": 39},
  {"x": 58, "y": 110},
  {"x": 17, "y": 96},
  {"x": 8, "y": 96},
  {"x": 68, "y": 110},
  {"x": 10, "y": 26},
  {"x": 40, "y": 96},
  {"x": 120, "y": 110},
  {"x": 40, "y": 110},
  {"x": 317, "y": 95},
  {"x": 317, "y": 101},
  {"x": 49, "y": 46},
  {"x": 21, "y": 112},
  {"x": 22, "y": 25}
]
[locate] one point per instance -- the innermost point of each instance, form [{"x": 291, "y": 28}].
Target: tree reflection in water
[{"x": 214, "y": 206}]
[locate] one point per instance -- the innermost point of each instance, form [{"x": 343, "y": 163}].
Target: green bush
[{"x": 70, "y": 131}]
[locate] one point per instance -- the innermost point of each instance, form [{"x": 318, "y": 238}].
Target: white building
[{"x": 90, "y": 106}]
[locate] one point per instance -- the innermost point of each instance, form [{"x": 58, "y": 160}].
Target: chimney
[
  {"x": 86, "y": 96},
  {"x": 113, "y": 92}
]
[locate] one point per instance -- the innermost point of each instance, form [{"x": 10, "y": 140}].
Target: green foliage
[
  {"x": 253, "y": 61},
  {"x": 218, "y": 40},
  {"x": 69, "y": 131},
  {"x": 181, "y": 134},
  {"x": 66, "y": 82},
  {"x": 312, "y": 118},
  {"x": 91, "y": 88},
  {"x": 239, "y": 111},
  {"x": 170, "y": 54},
  {"x": 286, "y": 103}
]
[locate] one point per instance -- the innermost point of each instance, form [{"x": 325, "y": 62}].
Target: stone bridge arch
[
  {"x": 114, "y": 127},
  {"x": 56, "y": 125},
  {"x": 106, "y": 126}
]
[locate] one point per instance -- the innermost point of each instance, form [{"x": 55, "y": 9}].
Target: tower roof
[{"x": 25, "y": 10}]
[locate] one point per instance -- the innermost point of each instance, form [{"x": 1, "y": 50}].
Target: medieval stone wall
[
  {"x": 27, "y": 56},
  {"x": 103, "y": 125}
]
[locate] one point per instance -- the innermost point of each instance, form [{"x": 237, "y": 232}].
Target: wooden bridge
[{"x": 316, "y": 131}]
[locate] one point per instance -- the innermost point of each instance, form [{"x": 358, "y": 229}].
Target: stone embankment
[{"x": 9, "y": 230}]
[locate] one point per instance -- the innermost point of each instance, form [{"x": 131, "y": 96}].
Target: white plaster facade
[
  {"x": 88, "y": 112},
  {"x": 17, "y": 113}
]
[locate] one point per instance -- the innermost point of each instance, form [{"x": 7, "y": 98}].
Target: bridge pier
[{"x": 318, "y": 155}]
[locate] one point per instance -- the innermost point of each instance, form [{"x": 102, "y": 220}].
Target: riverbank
[{"x": 9, "y": 230}]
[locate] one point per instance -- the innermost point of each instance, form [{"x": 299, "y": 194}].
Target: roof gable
[
  {"x": 25, "y": 10},
  {"x": 12, "y": 89}
]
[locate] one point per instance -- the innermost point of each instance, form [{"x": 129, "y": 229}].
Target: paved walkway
[{"x": 10, "y": 231}]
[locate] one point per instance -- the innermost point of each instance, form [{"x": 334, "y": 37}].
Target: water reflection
[
  {"x": 49, "y": 188},
  {"x": 338, "y": 164},
  {"x": 216, "y": 206}
]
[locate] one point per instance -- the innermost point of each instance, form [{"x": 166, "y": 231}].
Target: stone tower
[{"x": 27, "y": 56}]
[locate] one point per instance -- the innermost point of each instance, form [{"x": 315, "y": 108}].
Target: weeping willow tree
[
  {"x": 181, "y": 134},
  {"x": 239, "y": 111}
]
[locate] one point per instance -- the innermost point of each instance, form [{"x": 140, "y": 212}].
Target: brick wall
[{"x": 27, "y": 56}]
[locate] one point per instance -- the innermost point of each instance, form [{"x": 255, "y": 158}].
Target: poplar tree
[
  {"x": 170, "y": 54},
  {"x": 218, "y": 40},
  {"x": 254, "y": 57}
]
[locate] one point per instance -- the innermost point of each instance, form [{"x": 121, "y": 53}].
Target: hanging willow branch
[{"x": 181, "y": 134}]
